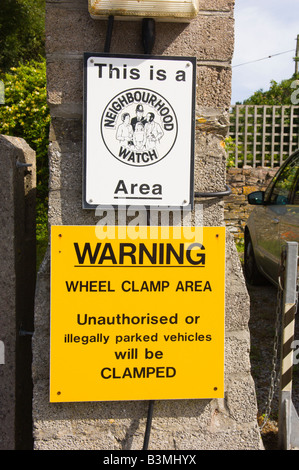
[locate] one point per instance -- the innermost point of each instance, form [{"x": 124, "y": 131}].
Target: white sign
[{"x": 139, "y": 130}]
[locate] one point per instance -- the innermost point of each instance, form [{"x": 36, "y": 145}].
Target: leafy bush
[
  {"x": 230, "y": 149},
  {"x": 278, "y": 93},
  {"x": 25, "y": 114},
  {"x": 22, "y": 32}
]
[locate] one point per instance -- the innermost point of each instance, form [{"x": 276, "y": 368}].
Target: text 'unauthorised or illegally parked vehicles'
[{"x": 273, "y": 222}]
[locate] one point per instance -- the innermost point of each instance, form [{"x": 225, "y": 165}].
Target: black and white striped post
[{"x": 288, "y": 421}]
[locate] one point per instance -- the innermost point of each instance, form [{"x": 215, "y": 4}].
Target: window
[{"x": 283, "y": 184}]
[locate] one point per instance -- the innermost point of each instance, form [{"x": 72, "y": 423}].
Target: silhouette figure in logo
[
  {"x": 139, "y": 116},
  {"x": 139, "y": 137},
  {"x": 124, "y": 132},
  {"x": 153, "y": 131},
  {"x": 140, "y": 133}
]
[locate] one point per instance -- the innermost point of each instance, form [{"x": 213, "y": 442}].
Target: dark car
[{"x": 273, "y": 222}]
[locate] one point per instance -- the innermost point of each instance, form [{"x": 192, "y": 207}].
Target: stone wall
[
  {"x": 242, "y": 182},
  {"x": 226, "y": 423}
]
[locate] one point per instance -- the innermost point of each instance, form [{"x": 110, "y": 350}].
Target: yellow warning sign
[{"x": 136, "y": 317}]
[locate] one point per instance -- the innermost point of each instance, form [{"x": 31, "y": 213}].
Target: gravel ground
[{"x": 263, "y": 301}]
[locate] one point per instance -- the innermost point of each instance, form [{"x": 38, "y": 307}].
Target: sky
[{"x": 263, "y": 28}]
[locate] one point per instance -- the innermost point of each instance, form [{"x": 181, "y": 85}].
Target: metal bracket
[
  {"x": 22, "y": 165},
  {"x": 109, "y": 33},
  {"x": 25, "y": 333},
  {"x": 227, "y": 192}
]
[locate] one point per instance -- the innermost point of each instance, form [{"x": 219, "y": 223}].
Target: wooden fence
[{"x": 262, "y": 135}]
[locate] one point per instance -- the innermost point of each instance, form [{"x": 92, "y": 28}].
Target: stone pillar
[
  {"x": 229, "y": 423},
  {"x": 17, "y": 281}
]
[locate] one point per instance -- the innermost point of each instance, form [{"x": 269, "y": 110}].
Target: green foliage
[
  {"x": 25, "y": 114},
  {"x": 22, "y": 32},
  {"x": 23, "y": 74},
  {"x": 278, "y": 93},
  {"x": 230, "y": 146}
]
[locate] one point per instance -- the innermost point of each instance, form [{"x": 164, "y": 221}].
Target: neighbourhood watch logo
[{"x": 139, "y": 127}]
